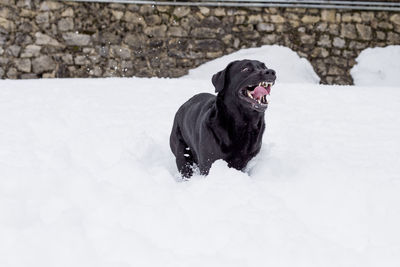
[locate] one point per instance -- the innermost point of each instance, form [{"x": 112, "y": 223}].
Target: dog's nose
[{"x": 271, "y": 74}]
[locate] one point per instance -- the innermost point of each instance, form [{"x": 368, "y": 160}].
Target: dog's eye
[{"x": 245, "y": 69}]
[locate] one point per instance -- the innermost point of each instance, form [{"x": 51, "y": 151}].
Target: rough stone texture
[
  {"x": 46, "y": 39},
  {"x": 76, "y": 39},
  {"x": 42, "y": 64},
  {"x": 43, "y": 39},
  {"x": 23, "y": 64}
]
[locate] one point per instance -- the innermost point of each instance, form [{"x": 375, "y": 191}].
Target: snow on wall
[
  {"x": 378, "y": 66},
  {"x": 288, "y": 65}
]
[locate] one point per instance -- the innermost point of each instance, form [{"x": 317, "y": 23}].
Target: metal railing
[{"x": 356, "y": 5}]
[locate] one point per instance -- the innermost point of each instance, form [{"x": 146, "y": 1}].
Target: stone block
[
  {"x": 380, "y": 35},
  {"x": 367, "y": 16},
  {"x": 117, "y": 14},
  {"x": 49, "y": 75},
  {"x": 65, "y": 24},
  {"x": 156, "y": 31},
  {"x": 219, "y": 12},
  {"x": 121, "y": 52},
  {"x": 43, "y": 39},
  {"x": 7, "y": 25},
  {"x": 109, "y": 38},
  {"x": 204, "y": 32},
  {"x": 28, "y": 76},
  {"x": 136, "y": 41},
  {"x": 395, "y": 19},
  {"x": 31, "y": 51},
  {"x": 67, "y": 59},
  {"x": 69, "y": 12},
  {"x": 335, "y": 70},
  {"x": 42, "y": 18},
  {"x": 265, "y": 27},
  {"x": 393, "y": 38},
  {"x": 357, "y": 45},
  {"x": 177, "y": 32},
  {"x": 320, "y": 52},
  {"x": 351, "y": 17},
  {"x": 42, "y": 64},
  {"x": 147, "y": 9},
  {"x": 339, "y": 42},
  {"x": 12, "y": 73},
  {"x": 310, "y": 19},
  {"x": 240, "y": 20},
  {"x": 254, "y": 19},
  {"x": 76, "y": 39},
  {"x": 328, "y": 15},
  {"x": 152, "y": 20},
  {"x": 13, "y": 50},
  {"x": 181, "y": 11},
  {"x": 162, "y": 8},
  {"x": 364, "y": 31},
  {"x": 324, "y": 41},
  {"x": 133, "y": 18},
  {"x": 22, "y": 39},
  {"x": 81, "y": 60},
  {"x": 27, "y": 13},
  {"x": 212, "y": 55},
  {"x": 348, "y": 31},
  {"x": 4, "y": 61},
  {"x": 208, "y": 45},
  {"x": 385, "y": 25},
  {"x": 50, "y": 5},
  {"x": 24, "y": 3},
  {"x": 23, "y": 64},
  {"x": 307, "y": 39},
  {"x": 6, "y": 13},
  {"x": 269, "y": 39},
  {"x": 204, "y": 10},
  {"x": 277, "y": 19}
]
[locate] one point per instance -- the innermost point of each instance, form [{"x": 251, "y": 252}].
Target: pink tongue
[{"x": 260, "y": 91}]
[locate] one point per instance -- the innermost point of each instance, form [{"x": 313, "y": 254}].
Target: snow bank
[
  {"x": 289, "y": 66},
  {"x": 378, "y": 66}
]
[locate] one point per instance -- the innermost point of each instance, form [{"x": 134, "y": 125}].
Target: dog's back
[{"x": 188, "y": 120}]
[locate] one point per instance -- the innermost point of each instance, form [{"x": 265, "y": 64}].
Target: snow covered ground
[{"x": 87, "y": 177}]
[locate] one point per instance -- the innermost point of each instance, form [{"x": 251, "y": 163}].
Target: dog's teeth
[
  {"x": 259, "y": 101},
  {"x": 249, "y": 94}
]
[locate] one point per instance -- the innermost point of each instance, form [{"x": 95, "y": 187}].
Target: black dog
[{"x": 228, "y": 126}]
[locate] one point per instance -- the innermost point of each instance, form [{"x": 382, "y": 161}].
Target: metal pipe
[
  {"x": 333, "y": 2},
  {"x": 383, "y": 6}
]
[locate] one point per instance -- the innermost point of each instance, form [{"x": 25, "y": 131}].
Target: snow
[
  {"x": 288, "y": 65},
  {"x": 87, "y": 177},
  {"x": 379, "y": 66}
]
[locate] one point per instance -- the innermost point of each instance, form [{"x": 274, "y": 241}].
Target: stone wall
[{"x": 71, "y": 39}]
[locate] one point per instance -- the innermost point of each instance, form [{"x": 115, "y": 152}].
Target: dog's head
[{"x": 245, "y": 82}]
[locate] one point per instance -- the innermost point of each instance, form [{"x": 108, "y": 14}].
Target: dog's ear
[{"x": 219, "y": 78}]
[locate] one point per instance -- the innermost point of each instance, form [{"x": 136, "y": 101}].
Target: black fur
[{"x": 227, "y": 126}]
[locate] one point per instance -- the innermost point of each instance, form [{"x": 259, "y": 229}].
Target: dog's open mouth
[{"x": 257, "y": 94}]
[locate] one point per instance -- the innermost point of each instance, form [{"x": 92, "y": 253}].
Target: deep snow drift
[{"x": 87, "y": 178}]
